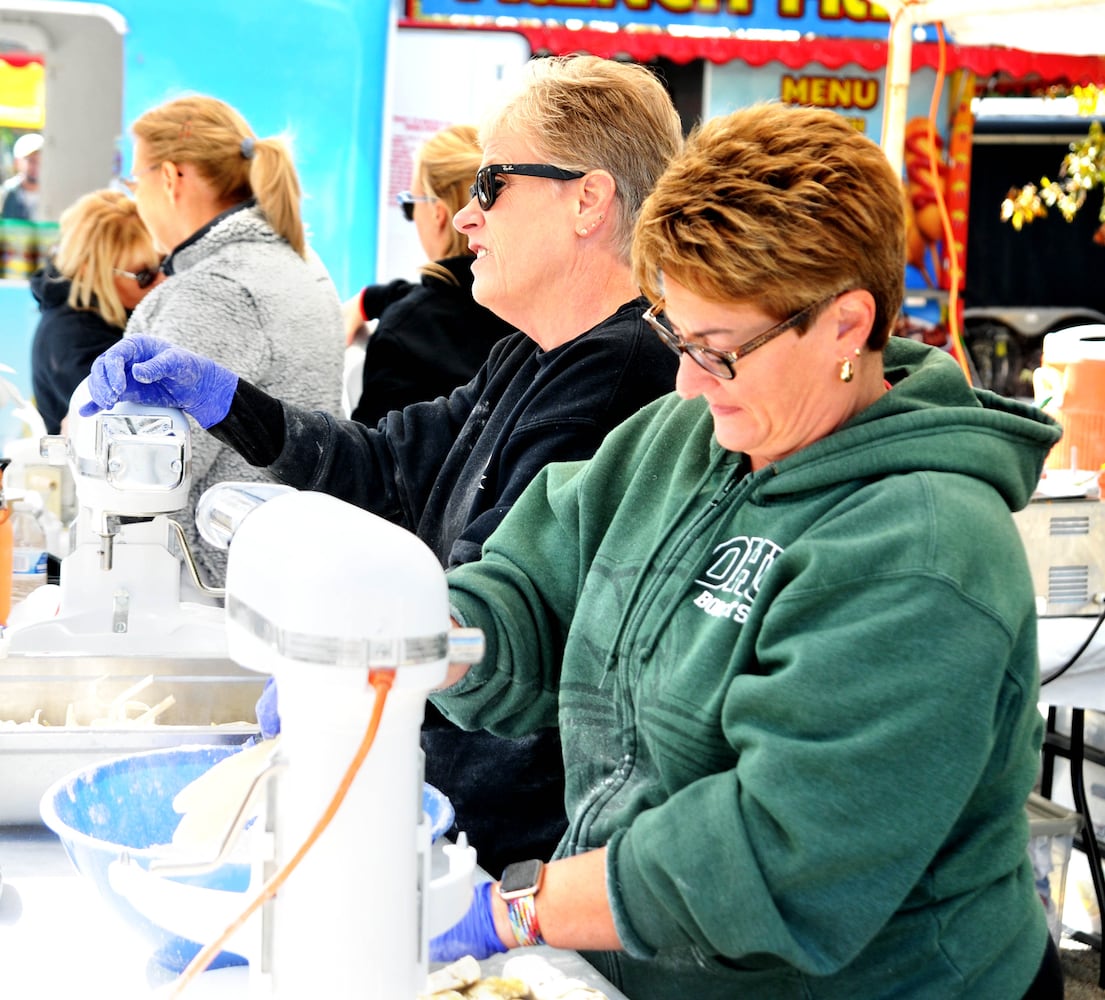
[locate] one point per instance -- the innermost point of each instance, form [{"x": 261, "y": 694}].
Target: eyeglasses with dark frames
[
  {"x": 407, "y": 201},
  {"x": 488, "y": 185},
  {"x": 143, "y": 279},
  {"x": 720, "y": 363}
]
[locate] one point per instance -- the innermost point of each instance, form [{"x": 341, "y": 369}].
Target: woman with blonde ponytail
[
  {"x": 224, "y": 205},
  {"x": 429, "y": 337}
]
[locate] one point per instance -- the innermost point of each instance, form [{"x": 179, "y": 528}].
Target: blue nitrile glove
[
  {"x": 268, "y": 711},
  {"x": 474, "y": 934},
  {"x": 148, "y": 370}
]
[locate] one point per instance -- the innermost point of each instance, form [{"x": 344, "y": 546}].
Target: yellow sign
[{"x": 22, "y": 95}]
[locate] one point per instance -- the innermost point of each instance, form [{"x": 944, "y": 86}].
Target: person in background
[
  {"x": 783, "y": 617},
  {"x": 430, "y": 337},
  {"x": 19, "y": 194},
  {"x": 550, "y": 221},
  {"x": 104, "y": 266},
  {"x": 245, "y": 289}
]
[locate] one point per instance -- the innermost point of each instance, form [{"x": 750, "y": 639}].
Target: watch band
[
  {"x": 523, "y": 921},
  {"x": 519, "y": 885}
]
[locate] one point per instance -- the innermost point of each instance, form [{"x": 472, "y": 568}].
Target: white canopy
[{"x": 1076, "y": 27}]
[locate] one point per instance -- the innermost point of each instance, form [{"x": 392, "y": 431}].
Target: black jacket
[
  {"x": 429, "y": 338},
  {"x": 66, "y": 342},
  {"x": 449, "y": 470}
]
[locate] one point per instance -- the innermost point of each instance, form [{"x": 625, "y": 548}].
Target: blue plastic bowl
[{"x": 126, "y": 804}]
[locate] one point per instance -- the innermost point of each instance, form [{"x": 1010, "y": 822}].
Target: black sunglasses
[
  {"x": 407, "y": 201},
  {"x": 144, "y": 278},
  {"x": 486, "y": 189}
]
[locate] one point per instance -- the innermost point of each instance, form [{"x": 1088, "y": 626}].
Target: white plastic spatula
[{"x": 209, "y": 804}]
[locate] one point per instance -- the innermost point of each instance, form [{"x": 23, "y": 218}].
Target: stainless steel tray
[{"x": 212, "y": 702}]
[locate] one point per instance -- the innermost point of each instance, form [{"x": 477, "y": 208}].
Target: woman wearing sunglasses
[
  {"x": 429, "y": 337},
  {"x": 104, "y": 266},
  {"x": 783, "y": 616},
  {"x": 245, "y": 289},
  {"x": 550, "y": 220}
]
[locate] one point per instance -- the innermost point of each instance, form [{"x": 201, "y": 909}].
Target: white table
[
  {"x": 59, "y": 940},
  {"x": 57, "y": 937},
  {"x": 1081, "y": 687}
]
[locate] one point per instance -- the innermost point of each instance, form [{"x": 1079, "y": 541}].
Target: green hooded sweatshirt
[{"x": 799, "y": 706}]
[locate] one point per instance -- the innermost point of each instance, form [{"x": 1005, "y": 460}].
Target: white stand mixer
[
  {"x": 355, "y": 917},
  {"x": 122, "y": 589},
  {"x": 324, "y": 596},
  {"x": 127, "y": 652}
]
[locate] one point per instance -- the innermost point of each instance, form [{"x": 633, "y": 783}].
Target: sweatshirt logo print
[{"x": 733, "y": 578}]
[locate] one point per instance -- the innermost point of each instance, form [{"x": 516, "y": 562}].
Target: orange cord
[
  {"x": 960, "y": 351},
  {"x": 382, "y": 681}
]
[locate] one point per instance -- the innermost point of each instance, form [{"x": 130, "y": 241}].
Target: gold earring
[
  {"x": 591, "y": 228},
  {"x": 847, "y": 369}
]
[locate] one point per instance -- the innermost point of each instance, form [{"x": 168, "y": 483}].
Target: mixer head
[{"x": 131, "y": 460}]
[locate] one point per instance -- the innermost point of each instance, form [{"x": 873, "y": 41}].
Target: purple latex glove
[
  {"x": 148, "y": 370},
  {"x": 474, "y": 934},
  {"x": 268, "y": 711}
]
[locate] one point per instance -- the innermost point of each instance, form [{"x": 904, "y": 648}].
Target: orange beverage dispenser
[{"x": 1069, "y": 385}]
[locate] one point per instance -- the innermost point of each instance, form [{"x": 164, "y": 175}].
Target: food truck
[
  {"x": 370, "y": 102},
  {"x": 1015, "y": 286}
]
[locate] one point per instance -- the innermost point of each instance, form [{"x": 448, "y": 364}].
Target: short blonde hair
[
  {"x": 779, "y": 205},
  {"x": 217, "y": 140},
  {"x": 96, "y": 232},
  {"x": 587, "y": 113}
]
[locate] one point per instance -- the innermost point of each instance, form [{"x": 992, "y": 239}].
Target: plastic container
[
  {"x": 1051, "y": 833},
  {"x": 1070, "y": 386},
  {"x": 28, "y": 553}
]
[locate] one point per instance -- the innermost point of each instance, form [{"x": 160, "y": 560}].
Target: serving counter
[
  {"x": 1083, "y": 683},
  {"x": 1072, "y": 673},
  {"x": 59, "y": 940}
]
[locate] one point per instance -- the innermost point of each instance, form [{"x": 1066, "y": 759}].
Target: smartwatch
[{"x": 518, "y": 887}]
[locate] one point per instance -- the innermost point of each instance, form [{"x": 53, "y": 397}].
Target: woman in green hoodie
[{"x": 783, "y": 619}]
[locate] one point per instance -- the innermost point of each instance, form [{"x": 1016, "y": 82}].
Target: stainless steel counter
[
  {"x": 59, "y": 940},
  {"x": 208, "y": 700}
]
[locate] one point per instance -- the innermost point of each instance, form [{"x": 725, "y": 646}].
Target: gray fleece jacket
[{"x": 239, "y": 294}]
